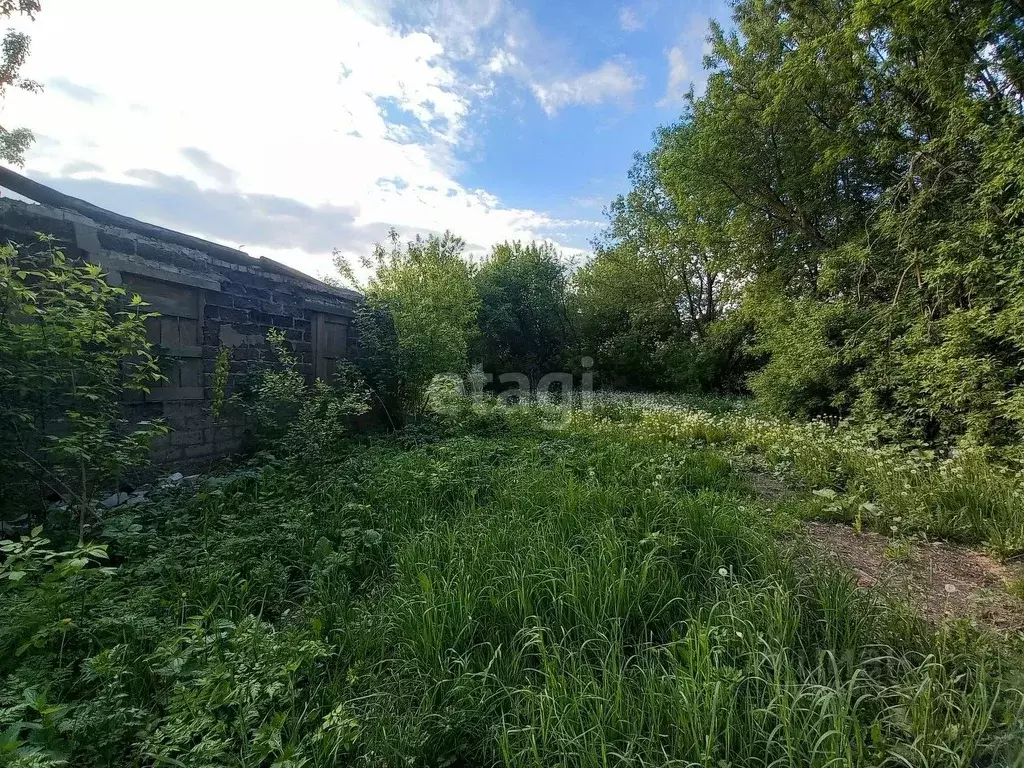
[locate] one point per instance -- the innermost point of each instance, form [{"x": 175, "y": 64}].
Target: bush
[
  {"x": 301, "y": 420},
  {"x": 71, "y": 347},
  {"x": 420, "y": 320}
]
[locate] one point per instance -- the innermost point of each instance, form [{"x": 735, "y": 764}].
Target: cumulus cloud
[
  {"x": 615, "y": 80},
  {"x": 499, "y": 39},
  {"x": 685, "y": 62},
  {"x": 633, "y": 18},
  {"x": 678, "y": 78},
  {"x": 293, "y": 131}
]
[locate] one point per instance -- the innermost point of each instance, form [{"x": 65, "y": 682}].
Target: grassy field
[
  {"x": 518, "y": 586},
  {"x": 963, "y": 497}
]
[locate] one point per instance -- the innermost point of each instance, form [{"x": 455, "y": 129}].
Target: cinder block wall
[{"x": 210, "y": 297}]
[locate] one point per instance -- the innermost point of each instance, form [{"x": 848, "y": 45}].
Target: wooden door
[
  {"x": 177, "y": 332},
  {"x": 330, "y": 343}
]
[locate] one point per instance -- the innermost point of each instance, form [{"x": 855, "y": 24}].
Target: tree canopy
[
  {"x": 834, "y": 226},
  {"x": 13, "y": 53},
  {"x": 846, "y": 197}
]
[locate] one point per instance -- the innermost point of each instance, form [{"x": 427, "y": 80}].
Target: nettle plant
[{"x": 71, "y": 347}]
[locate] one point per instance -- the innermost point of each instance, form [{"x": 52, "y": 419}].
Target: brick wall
[{"x": 209, "y": 297}]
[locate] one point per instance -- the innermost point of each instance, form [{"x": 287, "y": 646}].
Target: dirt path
[{"x": 939, "y": 579}]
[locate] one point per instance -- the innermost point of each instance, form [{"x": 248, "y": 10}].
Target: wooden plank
[
  {"x": 319, "y": 341},
  {"x": 337, "y": 333},
  {"x": 331, "y": 338},
  {"x": 330, "y": 343}
]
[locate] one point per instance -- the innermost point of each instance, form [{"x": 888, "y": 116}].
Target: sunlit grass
[
  {"x": 524, "y": 587},
  {"x": 966, "y": 497}
]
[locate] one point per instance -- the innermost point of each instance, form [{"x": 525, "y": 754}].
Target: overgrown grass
[
  {"x": 511, "y": 590},
  {"x": 965, "y": 497}
]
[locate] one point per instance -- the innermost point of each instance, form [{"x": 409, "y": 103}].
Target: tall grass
[
  {"x": 964, "y": 497},
  {"x": 513, "y": 592}
]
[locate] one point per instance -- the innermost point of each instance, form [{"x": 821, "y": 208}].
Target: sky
[{"x": 294, "y": 129}]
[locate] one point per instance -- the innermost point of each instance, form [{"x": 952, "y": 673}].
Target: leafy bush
[
  {"x": 420, "y": 320},
  {"x": 301, "y": 420},
  {"x": 71, "y": 347},
  {"x": 525, "y": 325}
]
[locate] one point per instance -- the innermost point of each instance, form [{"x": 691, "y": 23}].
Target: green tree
[
  {"x": 524, "y": 319},
  {"x": 419, "y": 320},
  {"x": 71, "y": 347},
  {"x": 862, "y": 163},
  {"x": 13, "y": 54},
  {"x": 659, "y": 284}
]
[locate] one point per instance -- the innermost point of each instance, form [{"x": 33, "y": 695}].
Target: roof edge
[{"x": 40, "y": 193}]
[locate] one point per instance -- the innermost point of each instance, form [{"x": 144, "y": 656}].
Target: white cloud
[
  {"x": 633, "y": 18},
  {"x": 308, "y": 106},
  {"x": 504, "y": 41},
  {"x": 615, "y": 81},
  {"x": 678, "y": 78},
  {"x": 685, "y": 63}
]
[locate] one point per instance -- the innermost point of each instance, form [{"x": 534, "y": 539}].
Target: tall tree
[
  {"x": 524, "y": 320},
  {"x": 658, "y": 282},
  {"x": 13, "y": 54},
  {"x": 865, "y": 159}
]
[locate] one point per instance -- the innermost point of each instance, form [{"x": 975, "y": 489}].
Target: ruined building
[{"x": 209, "y": 296}]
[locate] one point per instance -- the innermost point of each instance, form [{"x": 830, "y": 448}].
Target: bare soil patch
[{"x": 939, "y": 579}]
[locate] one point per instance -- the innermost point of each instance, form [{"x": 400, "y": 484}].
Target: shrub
[
  {"x": 304, "y": 420},
  {"x": 420, "y": 320},
  {"x": 71, "y": 347}
]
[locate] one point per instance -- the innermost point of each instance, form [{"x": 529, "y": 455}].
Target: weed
[
  {"x": 1015, "y": 587},
  {"x": 898, "y": 550},
  {"x": 524, "y": 586}
]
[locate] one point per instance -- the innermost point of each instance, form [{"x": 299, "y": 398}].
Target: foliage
[
  {"x": 303, "y": 420},
  {"x": 851, "y": 179},
  {"x": 71, "y": 347},
  {"x": 863, "y": 480},
  {"x": 379, "y": 359},
  {"x": 420, "y": 320},
  {"x": 655, "y": 303},
  {"x": 529, "y": 586},
  {"x": 29, "y": 558},
  {"x": 13, "y": 54},
  {"x": 221, "y": 369},
  {"x": 525, "y": 325}
]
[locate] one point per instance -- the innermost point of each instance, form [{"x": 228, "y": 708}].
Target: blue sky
[
  {"x": 297, "y": 130},
  {"x": 574, "y": 161}
]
